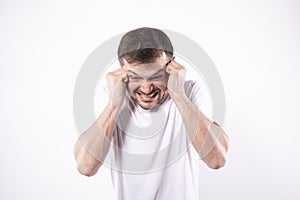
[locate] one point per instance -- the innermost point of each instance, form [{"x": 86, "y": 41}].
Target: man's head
[
  {"x": 145, "y": 52},
  {"x": 144, "y": 45}
]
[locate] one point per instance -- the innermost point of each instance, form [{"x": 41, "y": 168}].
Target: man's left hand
[{"x": 176, "y": 79}]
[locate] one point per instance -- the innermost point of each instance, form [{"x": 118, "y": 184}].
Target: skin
[
  {"x": 147, "y": 84},
  {"x": 148, "y": 87}
]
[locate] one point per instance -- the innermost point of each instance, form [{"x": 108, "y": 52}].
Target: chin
[{"x": 147, "y": 106}]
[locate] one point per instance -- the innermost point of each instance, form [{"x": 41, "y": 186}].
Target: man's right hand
[{"x": 116, "y": 83}]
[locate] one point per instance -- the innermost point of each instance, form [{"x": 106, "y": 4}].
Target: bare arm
[
  {"x": 93, "y": 145},
  {"x": 207, "y": 137}
]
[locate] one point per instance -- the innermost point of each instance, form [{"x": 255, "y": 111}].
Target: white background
[{"x": 255, "y": 46}]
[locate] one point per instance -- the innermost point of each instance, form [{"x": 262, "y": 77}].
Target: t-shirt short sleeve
[{"x": 199, "y": 94}]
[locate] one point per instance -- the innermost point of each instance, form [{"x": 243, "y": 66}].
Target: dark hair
[{"x": 144, "y": 45}]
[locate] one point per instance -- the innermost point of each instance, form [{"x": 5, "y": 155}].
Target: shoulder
[
  {"x": 199, "y": 94},
  {"x": 191, "y": 87}
]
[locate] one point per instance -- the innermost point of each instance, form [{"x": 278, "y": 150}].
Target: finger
[
  {"x": 123, "y": 77},
  {"x": 119, "y": 74},
  {"x": 119, "y": 70},
  {"x": 126, "y": 65},
  {"x": 176, "y": 65},
  {"x": 170, "y": 61},
  {"x": 170, "y": 69}
]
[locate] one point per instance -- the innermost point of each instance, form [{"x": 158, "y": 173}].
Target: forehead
[{"x": 148, "y": 68}]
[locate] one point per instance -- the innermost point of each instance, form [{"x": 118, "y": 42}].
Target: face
[{"x": 147, "y": 83}]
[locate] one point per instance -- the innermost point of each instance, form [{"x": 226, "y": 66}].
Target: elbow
[
  {"x": 88, "y": 167},
  {"x": 216, "y": 163},
  {"x": 215, "y": 160},
  {"x": 86, "y": 170},
  {"x": 86, "y": 164}
]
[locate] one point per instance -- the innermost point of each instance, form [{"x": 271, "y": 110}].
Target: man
[{"x": 151, "y": 116}]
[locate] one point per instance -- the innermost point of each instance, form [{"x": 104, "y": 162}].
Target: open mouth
[{"x": 147, "y": 98}]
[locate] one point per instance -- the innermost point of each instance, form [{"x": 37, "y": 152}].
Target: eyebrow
[
  {"x": 158, "y": 72},
  {"x": 133, "y": 72}
]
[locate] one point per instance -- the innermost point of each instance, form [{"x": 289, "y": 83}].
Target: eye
[{"x": 134, "y": 78}]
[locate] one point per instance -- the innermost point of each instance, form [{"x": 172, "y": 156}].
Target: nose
[{"x": 146, "y": 88}]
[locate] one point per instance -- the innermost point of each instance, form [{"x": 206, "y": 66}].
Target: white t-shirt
[{"x": 151, "y": 156}]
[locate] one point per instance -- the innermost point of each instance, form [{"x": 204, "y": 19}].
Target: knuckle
[{"x": 110, "y": 74}]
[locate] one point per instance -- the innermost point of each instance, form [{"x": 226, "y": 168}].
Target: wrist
[{"x": 115, "y": 106}]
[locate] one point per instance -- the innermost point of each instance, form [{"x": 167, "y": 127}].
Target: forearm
[
  {"x": 93, "y": 145},
  {"x": 207, "y": 137}
]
